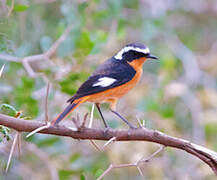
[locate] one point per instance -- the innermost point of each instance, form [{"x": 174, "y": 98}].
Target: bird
[{"x": 111, "y": 81}]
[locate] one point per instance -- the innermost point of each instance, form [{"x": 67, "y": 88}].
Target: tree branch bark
[{"x": 140, "y": 134}]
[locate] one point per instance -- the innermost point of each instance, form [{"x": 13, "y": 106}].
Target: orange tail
[{"x": 68, "y": 109}]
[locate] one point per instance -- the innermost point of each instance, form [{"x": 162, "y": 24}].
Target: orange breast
[{"x": 117, "y": 92}]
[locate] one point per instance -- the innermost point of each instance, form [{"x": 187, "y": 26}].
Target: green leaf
[
  {"x": 210, "y": 130},
  {"x": 74, "y": 157},
  {"x": 48, "y": 142},
  {"x": 65, "y": 174},
  {"x": 5, "y": 131},
  {"x": 8, "y": 110},
  {"x": 20, "y": 7},
  {"x": 131, "y": 4},
  {"x": 167, "y": 110},
  {"x": 82, "y": 7},
  {"x": 98, "y": 173},
  {"x": 70, "y": 84},
  {"x": 83, "y": 44},
  {"x": 82, "y": 177},
  {"x": 23, "y": 97}
]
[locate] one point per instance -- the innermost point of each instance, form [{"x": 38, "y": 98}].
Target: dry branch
[
  {"x": 45, "y": 56},
  {"x": 140, "y": 134},
  {"x": 136, "y": 164}
]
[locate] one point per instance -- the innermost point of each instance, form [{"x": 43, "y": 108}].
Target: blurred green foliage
[
  {"x": 70, "y": 84},
  {"x": 23, "y": 97},
  {"x": 99, "y": 30},
  {"x": 5, "y": 132}
]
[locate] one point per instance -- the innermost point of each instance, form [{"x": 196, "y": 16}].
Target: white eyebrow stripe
[
  {"x": 128, "y": 48},
  {"x": 104, "y": 82}
]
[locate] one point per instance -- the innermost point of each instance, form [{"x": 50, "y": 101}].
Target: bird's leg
[
  {"x": 128, "y": 123},
  {"x": 100, "y": 112}
]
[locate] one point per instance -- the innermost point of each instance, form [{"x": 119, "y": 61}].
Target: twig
[
  {"x": 84, "y": 121},
  {"x": 76, "y": 122},
  {"x": 136, "y": 164},
  {"x": 142, "y": 134},
  {"x": 10, "y": 58},
  {"x": 12, "y": 150},
  {"x": 45, "y": 56},
  {"x": 152, "y": 155},
  {"x": 46, "y": 116},
  {"x": 11, "y": 8}
]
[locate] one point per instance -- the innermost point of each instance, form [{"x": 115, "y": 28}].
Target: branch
[
  {"x": 140, "y": 134},
  {"x": 45, "y": 56},
  {"x": 136, "y": 164}
]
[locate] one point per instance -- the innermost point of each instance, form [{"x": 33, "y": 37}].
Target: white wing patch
[
  {"x": 128, "y": 48},
  {"x": 104, "y": 82}
]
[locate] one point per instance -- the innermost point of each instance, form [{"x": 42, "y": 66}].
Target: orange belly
[{"x": 112, "y": 95}]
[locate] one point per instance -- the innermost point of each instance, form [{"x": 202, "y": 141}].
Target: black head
[{"x": 134, "y": 51}]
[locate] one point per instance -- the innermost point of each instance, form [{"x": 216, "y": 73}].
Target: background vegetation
[{"x": 176, "y": 95}]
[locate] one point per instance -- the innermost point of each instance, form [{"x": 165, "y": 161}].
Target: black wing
[{"x": 120, "y": 71}]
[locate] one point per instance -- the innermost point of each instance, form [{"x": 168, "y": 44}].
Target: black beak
[{"x": 151, "y": 56}]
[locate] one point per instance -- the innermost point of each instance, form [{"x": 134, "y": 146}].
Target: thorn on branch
[
  {"x": 12, "y": 150},
  {"x": 95, "y": 145},
  {"x": 113, "y": 139},
  {"x": 78, "y": 124},
  {"x": 1, "y": 70},
  {"x": 91, "y": 117},
  {"x": 46, "y": 103},
  {"x": 39, "y": 129},
  {"x": 141, "y": 125},
  {"x": 84, "y": 121}
]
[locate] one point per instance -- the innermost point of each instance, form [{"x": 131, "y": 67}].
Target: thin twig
[
  {"x": 75, "y": 121},
  {"x": 11, "y": 8},
  {"x": 10, "y": 58},
  {"x": 146, "y": 160},
  {"x": 38, "y": 57},
  {"x": 57, "y": 43},
  {"x": 84, "y": 121},
  {"x": 152, "y": 155}
]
